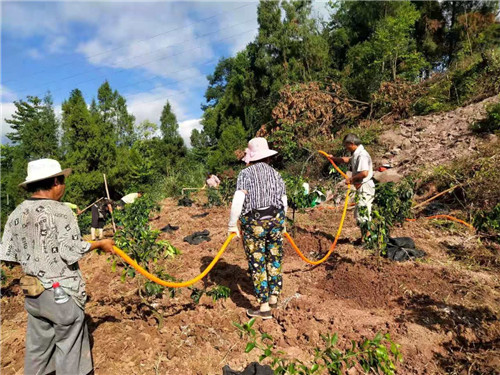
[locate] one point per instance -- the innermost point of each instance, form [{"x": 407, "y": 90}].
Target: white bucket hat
[
  {"x": 42, "y": 169},
  {"x": 257, "y": 149}
]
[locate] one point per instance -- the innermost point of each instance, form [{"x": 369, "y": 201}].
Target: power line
[
  {"x": 41, "y": 86},
  {"x": 130, "y": 44},
  {"x": 149, "y": 62}
]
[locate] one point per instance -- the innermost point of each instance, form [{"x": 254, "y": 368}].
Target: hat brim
[
  {"x": 65, "y": 172},
  {"x": 262, "y": 155}
]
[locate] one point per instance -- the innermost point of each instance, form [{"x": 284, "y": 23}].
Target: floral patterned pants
[{"x": 263, "y": 242}]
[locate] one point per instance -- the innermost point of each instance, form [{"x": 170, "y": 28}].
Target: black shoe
[{"x": 259, "y": 314}]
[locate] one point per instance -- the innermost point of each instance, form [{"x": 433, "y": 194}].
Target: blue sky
[{"x": 150, "y": 52}]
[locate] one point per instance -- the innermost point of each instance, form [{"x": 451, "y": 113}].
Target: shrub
[
  {"x": 488, "y": 221},
  {"x": 214, "y": 197},
  {"x": 153, "y": 289},
  {"x": 85, "y": 222},
  {"x": 392, "y": 205},
  {"x": 189, "y": 174},
  {"x": 217, "y": 292},
  {"x": 372, "y": 355},
  {"x": 491, "y": 123},
  {"x": 136, "y": 237}
]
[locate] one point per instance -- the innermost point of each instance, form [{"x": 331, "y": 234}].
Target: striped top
[
  {"x": 43, "y": 236},
  {"x": 264, "y": 185}
]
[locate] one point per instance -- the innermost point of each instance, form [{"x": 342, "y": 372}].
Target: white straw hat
[
  {"x": 42, "y": 169},
  {"x": 257, "y": 149}
]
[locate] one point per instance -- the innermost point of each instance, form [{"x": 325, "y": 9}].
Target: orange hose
[
  {"x": 334, "y": 244},
  {"x": 448, "y": 217},
  {"x": 172, "y": 284}
]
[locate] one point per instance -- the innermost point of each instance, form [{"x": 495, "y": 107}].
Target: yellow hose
[
  {"x": 172, "y": 284},
  {"x": 334, "y": 244}
]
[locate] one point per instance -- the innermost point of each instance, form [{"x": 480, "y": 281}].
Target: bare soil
[{"x": 443, "y": 310}]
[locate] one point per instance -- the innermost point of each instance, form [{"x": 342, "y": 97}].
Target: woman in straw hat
[{"x": 260, "y": 203}]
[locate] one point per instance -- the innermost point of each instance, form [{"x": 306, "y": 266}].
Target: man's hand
[
  {"x": 105, "y": 245},
  {"x": 337, "y": 160},
  {"x": 234, "y": 230}
]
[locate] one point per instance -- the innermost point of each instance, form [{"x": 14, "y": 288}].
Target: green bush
[
  {"x": 153, "y": 289},
  {"x": 392, "y": 205},
  {"x": 379, "y": 355},
  {"x": 189, "y": 174},
  {"x": 85, "y": 222},
  {"x": 217, "y": 292},
  {"x": 491, "y": 123},
  {"x": 488, "y": 221},
  {"x": 136, "y": 237},
  {"x": 214, "y": 197},
  {"x": 297, "y": 198},
  {"x": 227, "y": 187}
]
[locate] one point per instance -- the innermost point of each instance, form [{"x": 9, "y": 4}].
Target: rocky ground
[{"x": 427, "y": 141}]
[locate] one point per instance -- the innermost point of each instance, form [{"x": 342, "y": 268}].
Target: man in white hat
[{"x": 42, "y": 235}]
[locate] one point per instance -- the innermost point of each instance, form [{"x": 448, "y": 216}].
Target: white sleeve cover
[
  {"x": 284, "y": 199},
  {"x": 236, "y": 207}
]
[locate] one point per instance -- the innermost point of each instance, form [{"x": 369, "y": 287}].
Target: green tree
[
  {"x": 83, "y": 149},
  {"x": 34, "y": 128},
  {"x": 173, "y": 147},
  {"x": 388, "y": 53},
  {"x": 233, "y": 138}
]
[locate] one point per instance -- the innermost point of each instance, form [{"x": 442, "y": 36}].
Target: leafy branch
[{"x": 369, "y": 355}]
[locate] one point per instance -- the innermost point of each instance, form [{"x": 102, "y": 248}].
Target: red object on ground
[{"x": 381, "y": 169}]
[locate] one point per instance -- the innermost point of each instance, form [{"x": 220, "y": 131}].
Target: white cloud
[
  {"x": 160, "y": 38},
  {"x": 187, "y": 127},
  {"x": 7, "y": 110},
  {"x": 6, "y": 94},
  {"x": 34, "y": 53},
  {"x": 149, "y": 105}
]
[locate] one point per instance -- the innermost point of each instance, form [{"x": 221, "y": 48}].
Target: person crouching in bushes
[{"x": 260, "y": 203}]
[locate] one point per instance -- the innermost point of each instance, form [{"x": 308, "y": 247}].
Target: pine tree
[
  {"x": 174, "y": 144},
  {"x": 35, "y": 127}
]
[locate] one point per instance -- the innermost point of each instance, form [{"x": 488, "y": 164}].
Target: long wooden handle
[
  {"x": 434, "y": 197},
  {"x": 107, "y": 193}
]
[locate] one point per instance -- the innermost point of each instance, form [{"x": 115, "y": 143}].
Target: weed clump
[{"x": 491, "y": 123}]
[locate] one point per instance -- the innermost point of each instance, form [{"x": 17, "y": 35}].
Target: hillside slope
[{"x": 431, "y": 140}]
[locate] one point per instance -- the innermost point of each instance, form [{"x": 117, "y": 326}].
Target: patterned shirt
[
  {"x": 264, "y": 185},
  {"x": 43, "y": 236}
]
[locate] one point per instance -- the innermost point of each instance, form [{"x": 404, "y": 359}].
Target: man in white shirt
[
  {"x": 128, "y": 199},
  {"x": 361, "y": 166}
]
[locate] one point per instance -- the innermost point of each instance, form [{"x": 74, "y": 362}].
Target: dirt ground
[{"x": 443, "y": 310}]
